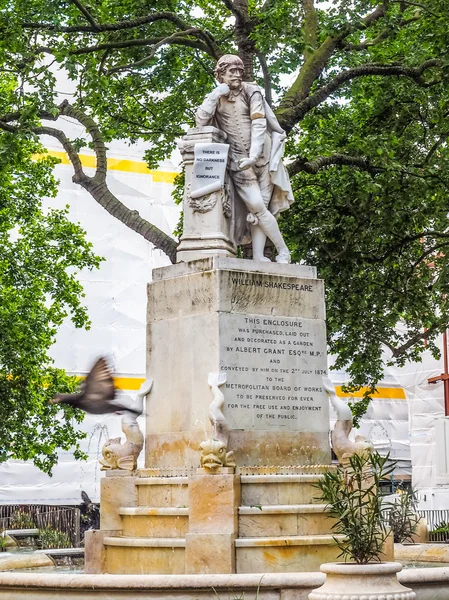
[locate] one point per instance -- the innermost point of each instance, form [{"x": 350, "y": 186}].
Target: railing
[
  {"x": 436, "y": 518},
  {"x": 44, "y": 517}
]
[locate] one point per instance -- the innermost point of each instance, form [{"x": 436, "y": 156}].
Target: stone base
[
  {"x": 249, "y": 447},
  {"x": 429, "y": 584},
  {"x": 213, "y": 523},
  {"x": 263, "y": 324},
  {"x": 198, "y": 247}
]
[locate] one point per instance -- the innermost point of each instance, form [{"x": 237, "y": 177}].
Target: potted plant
[{"x": 352, "y": 495}]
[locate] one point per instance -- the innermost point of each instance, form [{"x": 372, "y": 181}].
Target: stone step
[
  {"x": 284, "y": 520},
  {"x": 274, "y": 509},
  {"x": 163, "y": 511},
  {"x": 157, "y": 522},
  {"x": 286, "y": 541},
  {"x": 288, "y": 554},
  {"x": 141, "y": 542},
  {"x": 144, "y": 555},
  {"x": 162, "y": 491},
  {"x": 280, "y": 489}
]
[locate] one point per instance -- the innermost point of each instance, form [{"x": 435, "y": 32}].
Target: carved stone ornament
[
  {"x": 343, "y": 447},
  {"x": 206, "y": 203},
  {"x": 214, "y": 452},
  {"x": 203, "y": 204},
  {"x": 226, "y": 201},
  {"x": 124, "y": 456},
  {"x": 186, "y": 147}
]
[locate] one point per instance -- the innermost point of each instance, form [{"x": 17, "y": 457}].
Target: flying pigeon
[{"x": 97, "y": 393}]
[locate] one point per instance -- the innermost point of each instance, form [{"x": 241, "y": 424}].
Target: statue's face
[{"x": 233, "y": 76}]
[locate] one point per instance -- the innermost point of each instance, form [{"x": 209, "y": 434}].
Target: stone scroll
[{"x": 209, "y": 169}]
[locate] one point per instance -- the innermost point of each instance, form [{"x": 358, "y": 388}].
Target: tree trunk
[
  {"x": 246, "y": 46},
  {"x": 130, "y": 218}
]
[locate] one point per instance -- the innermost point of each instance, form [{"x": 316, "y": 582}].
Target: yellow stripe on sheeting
[
  {"x": 128, "y": 383},
  {"x": 390, "y": 393},
  {"x": 117, "y": 164},
  {"x": 125, "y": 383},
  {"x": 134, "y": 383}
]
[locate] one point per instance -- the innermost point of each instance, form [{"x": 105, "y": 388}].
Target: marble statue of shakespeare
[{"x": 256, "y": 142}]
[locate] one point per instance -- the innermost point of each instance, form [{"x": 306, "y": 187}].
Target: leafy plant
[
  {"x": 442, "y": 527},
  {"x": 362, "y": 88},
  {"x": 41, "y": 252},
  {"x": 353, "y": 498},
  {"x": 22, "y": 519},
  {"x": 403, "y": 518},
  {"x": 53, "y": 538}
]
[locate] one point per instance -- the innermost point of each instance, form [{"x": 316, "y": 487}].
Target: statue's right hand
[{"x": 222, "y": 89}]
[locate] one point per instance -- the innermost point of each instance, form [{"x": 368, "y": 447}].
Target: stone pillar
[
  {"x": 208, "y": 222},
  {"x": 117, "y": 490},
  {"x": 95, "y": 552},
  {"x": 213, "y": 522}
]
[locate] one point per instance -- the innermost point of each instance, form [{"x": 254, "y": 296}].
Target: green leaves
[
  {"x": 41, "y": 252},
  {"x": 375, "y": 227},
  {"x": 353, "y": 498}
]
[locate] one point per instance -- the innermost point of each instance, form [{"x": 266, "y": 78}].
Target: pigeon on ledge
[{"x": 97, "y": 393}]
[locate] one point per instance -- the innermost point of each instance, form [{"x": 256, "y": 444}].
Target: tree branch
[
  {"x": 384, "y": 35},
  {"x": 86, "y": 13},
  {"x": 175, "y": 38},
  {"x": 417, "y": 4},
  {"x": 120, "y": 25},
  {"x": 317, "y": 61},
  {"x": 310, "y": 27},
  {"x": 96, "y": 185},
  {"x": 266, "y": 77},
  {"x": 289, "y": 117},
  {"x": 313, "y": 166},
  {"x": 443, "y": 137},
  {"x": 426, "y": 254},
  {"x": 235, "y": 8},
  {"x": 416, "y": 338},
  {"x": 115, "y": 45},
  {"x": 99, "y": 147},
  {"x": 403, "y": 242},
  {"x": 378, "y": 13}
]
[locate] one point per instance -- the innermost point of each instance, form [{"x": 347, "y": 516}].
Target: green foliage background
[
  {"x": 362, "y": 88},
  {"x": 41, "y": 251}
]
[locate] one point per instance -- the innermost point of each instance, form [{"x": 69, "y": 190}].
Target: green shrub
[
  {"x": 442, "y": 527},
  {"x": 53, "y": 538},
  {"x": 22, "y": 519},
  {"x": 403, "y": 518},
  {"x": 352, "y": 495}
]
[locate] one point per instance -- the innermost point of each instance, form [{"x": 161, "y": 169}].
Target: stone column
[
  {"x": 117, "y": 489},
  {"x": 208, "y": 221},
  {"x": 213, "y": 522}
]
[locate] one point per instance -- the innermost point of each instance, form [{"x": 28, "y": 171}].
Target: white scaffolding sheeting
[{"x": 116, "y": 301}]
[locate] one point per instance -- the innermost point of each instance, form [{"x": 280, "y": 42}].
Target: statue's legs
[
  {"x": 258, "y": 239},
  {"x": 255, "y": 191}
]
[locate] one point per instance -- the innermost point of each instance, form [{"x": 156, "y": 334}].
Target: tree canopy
[
  {"x": 361, "y": 86},
  {"x": 40, "y": 253}
]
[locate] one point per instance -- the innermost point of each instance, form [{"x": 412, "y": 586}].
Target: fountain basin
[{"x": 428, "y": 583}]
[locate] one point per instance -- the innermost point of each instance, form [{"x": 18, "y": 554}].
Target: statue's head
[{"x": 230, "y": 70}]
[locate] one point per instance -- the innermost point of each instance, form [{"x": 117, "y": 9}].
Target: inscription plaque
[{"x": 274, "y": 367}]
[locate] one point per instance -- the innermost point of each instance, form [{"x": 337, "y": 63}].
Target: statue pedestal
[
  {"x": 261, "y": 323},
  {"x": 209, "y": 221}
]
